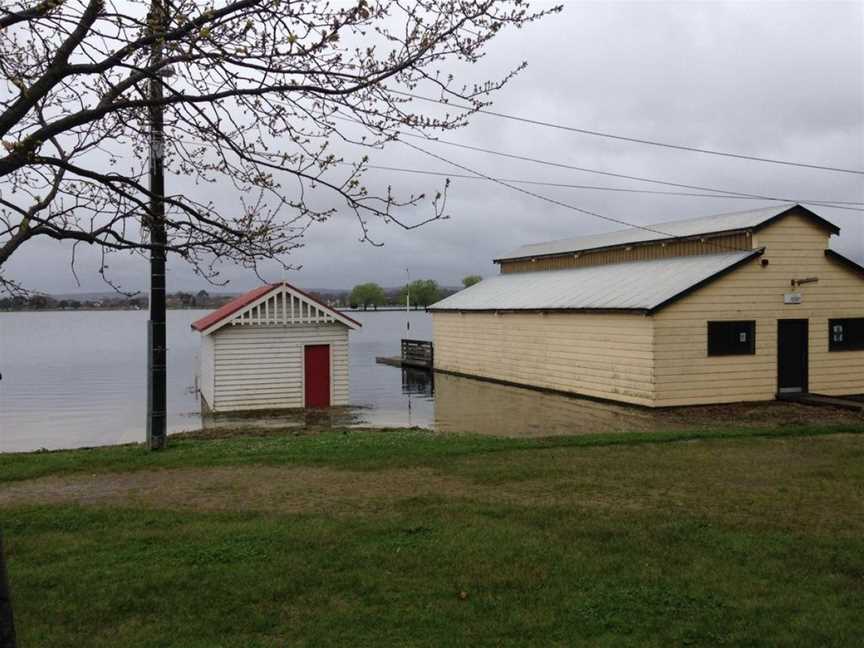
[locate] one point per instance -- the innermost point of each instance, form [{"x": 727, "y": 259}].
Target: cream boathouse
[
  {"x": 736, "y": 307},
  {"x": 273, "y": 347}
]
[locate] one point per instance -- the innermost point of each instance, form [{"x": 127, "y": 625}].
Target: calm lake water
[{"x": 78, "y": 379}]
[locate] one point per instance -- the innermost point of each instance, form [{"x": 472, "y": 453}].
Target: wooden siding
[
  {"x": 599, "y": 355},
  {"x": 795, "y": 249},
  {"x": 261, "y": 367},
  {"x": 205, "y": 370},
  {"x": 636, "y": 252}
]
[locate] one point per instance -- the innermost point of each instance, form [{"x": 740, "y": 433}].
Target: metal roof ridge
[{"x": 607, "y": 240}]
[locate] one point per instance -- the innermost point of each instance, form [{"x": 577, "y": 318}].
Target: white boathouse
[{"x": 274, "y": 347}]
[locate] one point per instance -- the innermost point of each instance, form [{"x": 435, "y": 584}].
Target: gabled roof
[
  {"x": 261, "y": 306},
  {"x": 231, "y": 307},
  {"x": 742, "y": 221},
  {"x": 641, "y": 286}
]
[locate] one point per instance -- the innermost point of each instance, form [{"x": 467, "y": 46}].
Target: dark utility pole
[
  {"x": 7, "y": 627},
  {"x": 156, "y": 342}
]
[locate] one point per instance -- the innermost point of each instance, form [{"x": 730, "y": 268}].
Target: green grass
[
  {"x": 357, "y": 449},
  {"x": 728, "y": 538},
  {"x": 533, "y": 577}
]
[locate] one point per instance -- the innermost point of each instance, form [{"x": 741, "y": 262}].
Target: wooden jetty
[{"x": 417, "y": 354}]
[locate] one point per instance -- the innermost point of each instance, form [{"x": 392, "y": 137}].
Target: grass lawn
[{"x": 408, "y": 538}]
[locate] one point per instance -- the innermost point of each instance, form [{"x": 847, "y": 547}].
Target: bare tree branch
[{"x": 255, "y": 98}]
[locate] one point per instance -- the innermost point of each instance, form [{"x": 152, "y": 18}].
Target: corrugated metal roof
[
  {"x": 640, "y": 285},
  {"x": 742, "y": 220}
]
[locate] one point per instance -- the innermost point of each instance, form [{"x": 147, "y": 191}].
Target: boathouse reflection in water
[
  {"x": 469, "y": 405},
  {"x": 448, "y": 403}
]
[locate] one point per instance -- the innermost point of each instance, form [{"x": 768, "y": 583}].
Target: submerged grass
[{"x": 732, "y": 537}]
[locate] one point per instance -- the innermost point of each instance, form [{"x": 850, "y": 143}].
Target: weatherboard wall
[
  {"x": 794, "y": 249},
  {"x": 593, "y": 354},
  {"x": 261, "y": 367}
]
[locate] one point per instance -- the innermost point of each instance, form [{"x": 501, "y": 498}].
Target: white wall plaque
[{"x": 792, "y": 298}]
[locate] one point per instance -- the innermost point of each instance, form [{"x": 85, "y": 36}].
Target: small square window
[
  {"x": 846, "y": 334},
  {"x": 731, "y": 338}
]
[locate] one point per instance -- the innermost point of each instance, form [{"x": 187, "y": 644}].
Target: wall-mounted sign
[{"x": 792, "y": 298}]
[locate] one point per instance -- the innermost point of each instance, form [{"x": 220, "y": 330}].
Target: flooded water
[
  {"x": 73, "y": 379},
  {"x": 78, "y": 379}
]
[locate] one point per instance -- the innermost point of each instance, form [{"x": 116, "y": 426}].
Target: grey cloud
[{"x": 781, "y": 80}]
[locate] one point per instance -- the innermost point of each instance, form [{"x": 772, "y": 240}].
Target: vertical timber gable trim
[
  {"x": 282, "y": 307},
  {"x": 634, "y": 252}
]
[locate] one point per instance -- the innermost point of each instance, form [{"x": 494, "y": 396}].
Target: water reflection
[
  {"x": 448, "y": 403},
  {"x": 418, "y": 382},
  {"x": 481, "y": 407},
  {"x": 307, "y": 420}
]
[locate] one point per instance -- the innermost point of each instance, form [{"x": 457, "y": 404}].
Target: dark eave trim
[
  {"x": 707, "y": 280},
  {"x": 846, "y": 261},
  {"x": 811, "y": 215}
]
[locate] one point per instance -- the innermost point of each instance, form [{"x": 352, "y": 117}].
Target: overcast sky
[{"x": 770, "y": 79}]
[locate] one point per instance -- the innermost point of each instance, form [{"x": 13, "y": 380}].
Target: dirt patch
[
  {"x": 292, "y": 489},
  {"x": 288, "y": 489},
  {"x": 758, "y": 414},
  {"x": 811, "y": 483}
]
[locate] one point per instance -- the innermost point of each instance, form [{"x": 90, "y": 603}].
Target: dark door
[
  {"x": 791, "y": 356},
  {"x": 316, "y": 368}
]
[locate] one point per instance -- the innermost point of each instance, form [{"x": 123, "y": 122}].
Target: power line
[
  {"x": 505, "y": 183},
  {"x": 719, "y": 193},
  {"x": 560, "y": 203},
  {"x": 823, "y": 203},
  {"x": 562, "y": 165},
  {"x": 564, "y": 185},
  {"x": 481, "y": 176},
  {"x": 636, "y": 140}
]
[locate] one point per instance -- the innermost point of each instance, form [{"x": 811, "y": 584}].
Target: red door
[{"x": 317, "y": 375}]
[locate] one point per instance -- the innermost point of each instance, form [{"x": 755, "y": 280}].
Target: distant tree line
[
  {"x": 201, "y": 299},
  {"x": 420, "y": 293},
  {"x": 35, "y": 302}
]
